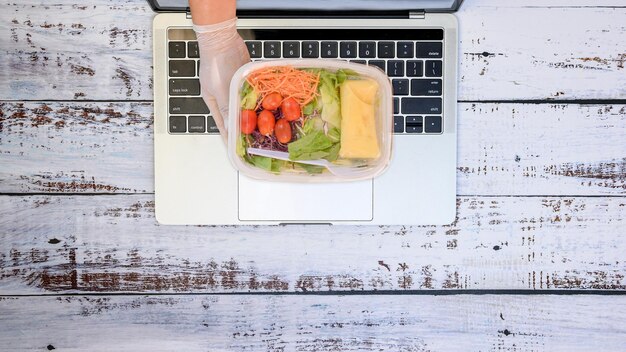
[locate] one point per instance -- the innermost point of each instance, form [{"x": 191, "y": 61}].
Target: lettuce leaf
[
  {"x": 242, "y": 145},
  {"x": 262, "y": 162},
  {"x": 311, "y": 125},
  {"x": 311, "y": 146},
  {"x": 332, "y": 152},
  {"x": 249, "y": 97},
  {"x": 342, "y": 75},
  {"x": 312, "y": 169},
  {"x": 329, "y": 97}
]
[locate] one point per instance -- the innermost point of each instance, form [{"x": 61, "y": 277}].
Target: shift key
[
  {"x": 188, "y": 106},
  {"x": 421, "y": 105}
]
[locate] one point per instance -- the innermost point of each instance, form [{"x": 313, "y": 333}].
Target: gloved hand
[{"x": 222, "y": 52}]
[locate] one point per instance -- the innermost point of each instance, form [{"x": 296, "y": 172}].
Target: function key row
[
  {"x": 417, "y": 124},
  {"x": 344, "y": 49},
  {"x": 192, "y": 124}
]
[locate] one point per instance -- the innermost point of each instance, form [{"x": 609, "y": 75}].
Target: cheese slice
[{"x": 358, "y": 124}]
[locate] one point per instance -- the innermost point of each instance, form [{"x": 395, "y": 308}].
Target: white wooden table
[{"x": 536, "y": 260}]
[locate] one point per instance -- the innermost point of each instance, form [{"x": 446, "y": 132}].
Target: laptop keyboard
[{"x": 415, "y": 68}]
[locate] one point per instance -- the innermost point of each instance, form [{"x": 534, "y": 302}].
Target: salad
[{"x": 310, "y": 114}]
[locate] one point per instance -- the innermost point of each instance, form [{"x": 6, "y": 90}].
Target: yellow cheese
[{"x": 358, "y": 124}]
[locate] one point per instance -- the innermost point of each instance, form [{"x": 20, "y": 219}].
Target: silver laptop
[{"x": 413, "y": 41}]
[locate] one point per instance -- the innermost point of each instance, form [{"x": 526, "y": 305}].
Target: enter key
[{"x": 426, "y": 87}]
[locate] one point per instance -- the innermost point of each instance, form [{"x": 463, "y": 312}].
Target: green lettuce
[
  {"x": 312, "y": 169},
  {"x": 241, "y": 145},
  {"x": 262, "y": 162},
  {"x": 342, "y": 75},
  {"x": 329, "y": 95},
  {"x": 249, "y": 97},
  {"x": 313, "y": 146},
  {"x": 310, "y": 146},
  {"x": 311, "y": 125}
]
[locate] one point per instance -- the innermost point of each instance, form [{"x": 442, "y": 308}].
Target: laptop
[{"x": 414, "y": 41}]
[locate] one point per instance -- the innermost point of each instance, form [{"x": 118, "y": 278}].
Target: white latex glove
[{"x": 222, "y": 52}]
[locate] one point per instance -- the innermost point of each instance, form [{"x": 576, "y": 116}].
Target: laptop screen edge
[{"x": 455, "y": 4}]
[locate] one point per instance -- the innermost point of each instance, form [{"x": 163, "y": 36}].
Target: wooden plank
[
  {"x": 113, "y": 244},
  {"x": 314, "y": 323},
  {"x": 107, "y": 44},
  {"x": 76, "y": 147},
  {"x": 504, "y": 149},
  {"x": 65, "y": 50}
]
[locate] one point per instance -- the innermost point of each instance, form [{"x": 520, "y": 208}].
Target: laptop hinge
[
  {"x": 419, "y": 14},
  {"x": 188, "y": 12}
]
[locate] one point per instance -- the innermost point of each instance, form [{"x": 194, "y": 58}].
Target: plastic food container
[{"x": 364, "y": 146}]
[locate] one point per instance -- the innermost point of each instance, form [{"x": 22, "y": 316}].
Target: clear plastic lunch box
[{"x": 360, "y": 169}]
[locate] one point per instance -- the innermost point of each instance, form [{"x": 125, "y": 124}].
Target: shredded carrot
[{"x": 286, "y": 81}]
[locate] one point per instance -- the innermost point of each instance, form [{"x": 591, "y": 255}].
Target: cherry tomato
[
  {"x": 248, "y": 121},
  {"x": 266, "y": 122},
  {"x": 272, "y": 101},
  {"x": 283, "y": 131},
  {"x": 291, "y": 109}
]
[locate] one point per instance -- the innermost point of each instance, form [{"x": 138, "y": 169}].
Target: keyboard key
[
  {"x": 395, "y": 68},
  {"x": 291, "y": 50},
  {"x": 426, "y": 87},
  {"x": 367, "y": 49},
  {"x": 182, "y": 68},
  {"x": 396, "y": 105},
  {"x": 310, "y": 50},
  {"x": 271, "y": 50},
  {"x": 414, "y": 68},
  {"x": 386, "y": 50},
  {"x": 398, "y": 124},
  {"x": 362, "y": 62},
  {"x": 184, "y": 87},
  {"x": 211, "y": 127},
  {"x": 414, "y": 129},
  {"x": 414, "y": 124},
  {"x": 414, "y": 120},
  {"x": 378, "y": 63},
  {"x": 198, "y": 68},
  {"x": 428, "y": 50},
  {"x": 176, "y": 50},
  {"x": 196, "y": 124},
  {"x": 347, "y": 49},
  {"x": 432, "y": 68},
  {"x": 432, "y": 124},
  {"x": 178, "y": 124},
  {"x": 329, "y": 49},
  {"x": 420, "y": 105},
  {"x": 400, "y": 87},
  {"x": 405, "y": 50},
  {"x": 254, "y": 48},
  {"x": 188, "y": 106},
  {"x": 192, "y": 50}
]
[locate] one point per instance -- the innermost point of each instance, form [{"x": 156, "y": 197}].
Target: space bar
[{"x": 188, "y": 106}]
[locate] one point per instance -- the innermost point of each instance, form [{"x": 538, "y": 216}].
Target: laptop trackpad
[{"x": 280, "y": 201}]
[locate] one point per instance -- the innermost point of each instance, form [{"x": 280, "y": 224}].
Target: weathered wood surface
[
  {"x": 76, "y": 147},
  {"x": 314, "y": 323},
  {"x": 504, "y": 149},
  {"x": 567, "y": 231},
  {"x": 113, "y": 244},
  {"x": 508, "y": 50}
]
